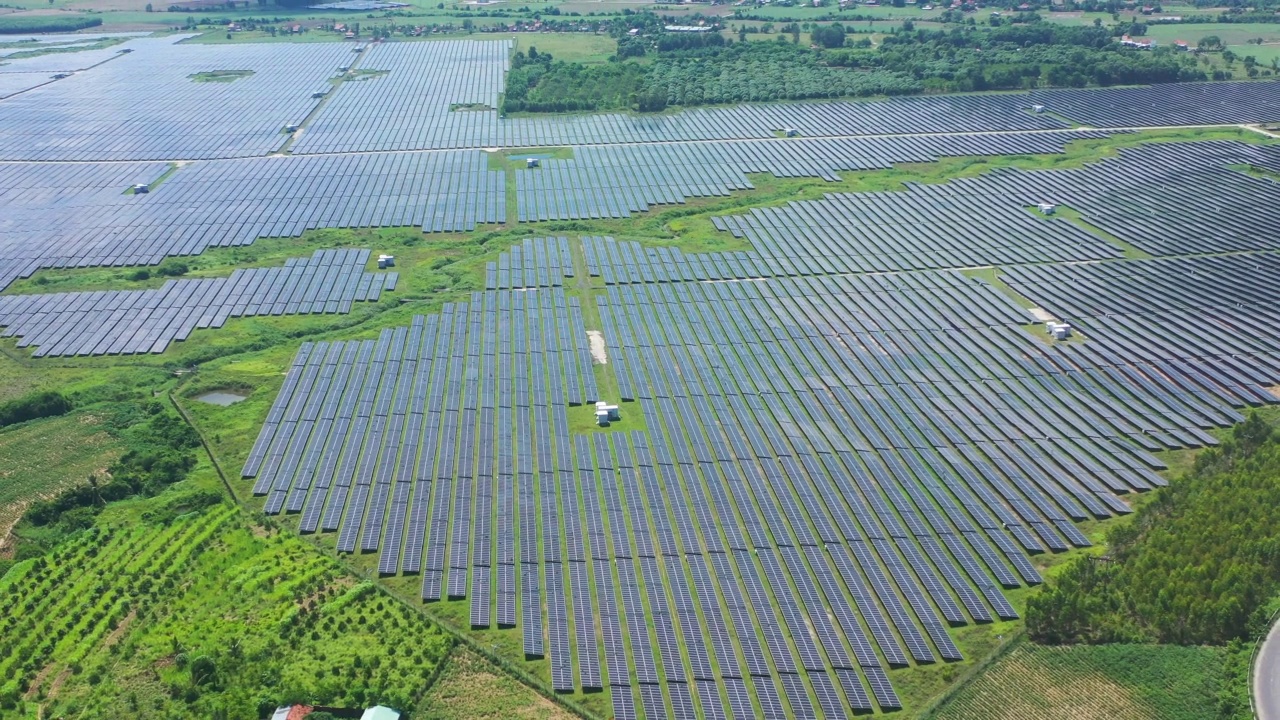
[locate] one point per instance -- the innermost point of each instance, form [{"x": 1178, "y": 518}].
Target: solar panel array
[
  {"x": 832, "y": 470},
  {"x": 537, "y": 262},
  {"x": 408, "y": 107},
  {"x": 111, "y": 322},
  {"x": 614, "y": 182},
  {"x": 58, "y": 62},
  {"x": 142, "y": 105},
  {"x": 1173, "y": 312},
  {"x": 14, "y": 83},
  {"x": 854, "y": 233},
  {"x": 427, "y": 79},
  {"x": 1178, "y": 198},
  {"x": 76, "y": 215},
  {"x": 1172, "y": 104},
  {"x": 433, "y": 95}
]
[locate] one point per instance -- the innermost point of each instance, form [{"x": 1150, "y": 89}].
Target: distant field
[
  {"x": 570, "y": 47},
  {"x": 1235, "y": 36},
  {"x": 1108, "y": 682},
  {"x": 42, "y": 457}
]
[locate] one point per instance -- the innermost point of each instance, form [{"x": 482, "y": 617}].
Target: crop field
[
  {"x": 845, "y": 453},
  {"x": 1081, "y": 682},
  {"x": 188, "y": 600},
  {"x": 73, "y": 447}
]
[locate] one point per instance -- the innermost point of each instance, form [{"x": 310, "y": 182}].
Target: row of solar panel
[
  {"x": 624, "y": 505},
  {"x": 114, "y": 322}
]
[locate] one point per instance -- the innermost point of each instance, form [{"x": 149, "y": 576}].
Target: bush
[
  {"x": 42, "y": 404},
  {"x": 172, "y": 268}
]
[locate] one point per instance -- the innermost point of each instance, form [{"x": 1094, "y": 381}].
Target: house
[
  {"x": 1139, "y": 43},
  {"x": 1047, "y": 208},
  {"x": 1037, "y": 109},
  {"x": 530, "y": 163},
  {"x": 380, "y": 712},
  {"x": 291, "y": 712},
  {"x": 1147, "y": 9},
  {"x": 1181, "y": 45}
]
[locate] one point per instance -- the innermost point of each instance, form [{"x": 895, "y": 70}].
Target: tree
[
  {"x": 1210, "y": 43},
  {"x": 204, "y": 670},
  {"x": 831, "y": 36}
]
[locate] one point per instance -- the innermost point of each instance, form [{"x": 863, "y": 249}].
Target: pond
[{"x": 221, "y": 397}]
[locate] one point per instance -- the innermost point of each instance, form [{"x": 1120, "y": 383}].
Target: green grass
[
  {"x": 1112, "y": 681},
  {"x": 42, "y": 457},
  {"x": 471, "y": 689},
  {"x": 570, "y": 47},
  {"x": 222, "y": 76}
]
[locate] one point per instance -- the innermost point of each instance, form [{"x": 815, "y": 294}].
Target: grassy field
[
  {"x": 1236, "y": 37},
  {"x": 577, "y": 47},
  {"x": 69, "y": 449},
  {"x": 1110, "y": 682},
  {"x": 471, "y": 689}
]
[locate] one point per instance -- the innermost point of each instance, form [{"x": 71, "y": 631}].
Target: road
[{"x": 1266, "y": 677}]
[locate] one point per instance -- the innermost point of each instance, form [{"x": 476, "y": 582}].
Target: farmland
[
  {"x": 1128, "y": 681},
  {"x": 848, "y": 470}
]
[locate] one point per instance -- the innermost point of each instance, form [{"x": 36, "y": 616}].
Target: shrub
[{"x": 46, "y": 403}]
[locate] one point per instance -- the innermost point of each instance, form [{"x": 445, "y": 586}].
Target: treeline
[
  {"x": 42, "y": 404},
  {"x": 11, "y": 25},
  {"x": 538, "y": 82},
  {"x": 1196, "y": 566},
  {"x": 689, "y": 69},
  {"x": 1021, "y": 56},
  {"x": 761, "y": 71},
  {"x": 709, "y": 73}
]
